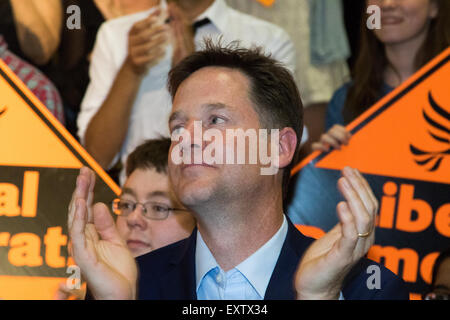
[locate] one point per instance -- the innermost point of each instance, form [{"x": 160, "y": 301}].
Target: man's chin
[{"x": 195, "y": 193}]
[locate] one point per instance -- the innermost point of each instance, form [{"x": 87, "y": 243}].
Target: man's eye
[
  {"x": 177, "y": 129},
  {"x": 217, "y": 120}
]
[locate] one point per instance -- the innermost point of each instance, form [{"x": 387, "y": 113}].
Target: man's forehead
[
  {"x": 212, "y": 81},
  {"x": 212, "y": 88}
]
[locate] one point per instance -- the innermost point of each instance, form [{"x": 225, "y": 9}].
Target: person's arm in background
[
  {"x": 107, "y": 129},
  {"x": 38, "y": 24},
  {"x": 336, "y": 134}
]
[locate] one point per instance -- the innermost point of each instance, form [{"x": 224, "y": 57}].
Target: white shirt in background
[{"x": 152, "y": 106}]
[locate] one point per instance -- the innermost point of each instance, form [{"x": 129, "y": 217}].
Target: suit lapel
[
  {"x": 179, "y": 281},
  {"x": 281, "y": 284}
]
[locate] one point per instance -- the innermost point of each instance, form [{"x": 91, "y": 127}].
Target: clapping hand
[
  {"x": 328, "y": 260},
  {"x": 97, "y": 248}
]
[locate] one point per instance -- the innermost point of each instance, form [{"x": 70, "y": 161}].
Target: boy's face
[{"x": 143, "y": 234}]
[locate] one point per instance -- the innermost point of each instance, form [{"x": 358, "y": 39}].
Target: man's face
[
  {"x": 219, "y": 98},
  {"x": 142, "y": 234}
]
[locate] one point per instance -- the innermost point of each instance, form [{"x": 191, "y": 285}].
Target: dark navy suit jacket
[{"x": 169, "y": 273}]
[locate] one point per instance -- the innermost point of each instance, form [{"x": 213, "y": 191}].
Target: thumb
[{"x": 104, "y": 224}]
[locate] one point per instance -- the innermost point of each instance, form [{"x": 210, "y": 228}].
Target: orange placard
[
  {"x": 39, "y": 162},
  {"x": 407, "y": 127},
  {"x": 267, "y": 3},
  {"x": 402, "y": 146}
]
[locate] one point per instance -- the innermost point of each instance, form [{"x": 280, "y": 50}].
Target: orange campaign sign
[
  {"x": 267, "y": 3},
  {"x": 402, "y": 146},
  {"x": 39, "y": 163}
]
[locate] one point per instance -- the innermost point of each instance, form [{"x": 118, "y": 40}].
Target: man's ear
[{"x": 287, "y": 146}]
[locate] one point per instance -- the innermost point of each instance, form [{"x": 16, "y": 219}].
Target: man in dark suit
[{"x": 244, "y": 247}]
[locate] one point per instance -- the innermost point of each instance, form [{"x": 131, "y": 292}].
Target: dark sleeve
[
  {"x": 88, "y": 295},
  {"x": 336, "y": 106},
  {"x": 360, "y": 283}
]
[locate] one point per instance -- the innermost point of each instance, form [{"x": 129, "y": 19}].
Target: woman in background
[
  {"x": 412, "y": 33},
  {"x": 440, "y": 282}
]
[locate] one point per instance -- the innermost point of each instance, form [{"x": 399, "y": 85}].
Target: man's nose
[{"x": 193, "y": 135}]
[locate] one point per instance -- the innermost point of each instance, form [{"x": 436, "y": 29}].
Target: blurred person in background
[
  {"x": 71, "y": 70},
  {"x": 34, "y": 79},
  {"x": 322, "y": 48},
  {"x": 32, "y": 28},
  {"x": 440, "y": 282},
  {"x": 412, "y": 33}
]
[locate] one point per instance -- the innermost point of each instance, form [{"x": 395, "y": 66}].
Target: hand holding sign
[
  {"x": 335, "y": 137},
  {"x": 326, "y": 263},
  {"x": 104, "y": 259}
]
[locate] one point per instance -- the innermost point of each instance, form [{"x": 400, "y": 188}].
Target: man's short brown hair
[
  {"x": 273, "y": 91},
  {"x": 152, "y": 154}
]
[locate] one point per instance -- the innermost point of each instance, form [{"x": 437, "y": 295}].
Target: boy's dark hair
[
  {"x": 152, "y": 154},
  {"x": 272, "y": 88}
]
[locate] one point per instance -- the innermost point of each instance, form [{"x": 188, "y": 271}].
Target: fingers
[
  {"x": 77, "y": 230},
  {"x": 363, "y": 189},
  {"x": 148, "y": 22},
  {"x": 104, "y": 224},
  {"x": 81, "y": 192},
  {"x": 355, "y": 204},
  {"x": 335, "y": 137},
  {"x": 147, "y": 35},
  {"x": 347, "y": 242},
  {"x": 319, "y": 146},
  {"x": 90, "y": 195},
  {"x": 370, "y": 194},
  {"x": 147, "y": 47},
  {"x": 362, "y": 204},
  {"x": 339, "y": 133}
]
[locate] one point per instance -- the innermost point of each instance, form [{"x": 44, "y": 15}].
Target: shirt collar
[
  {"x": 257, "y": 268},
  {"x": 217, "y": 14}
]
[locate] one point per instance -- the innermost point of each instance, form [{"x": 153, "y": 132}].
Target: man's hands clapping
[{"x": 97, "y": 248}]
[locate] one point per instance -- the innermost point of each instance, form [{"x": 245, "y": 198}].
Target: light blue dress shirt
[{"x": 247, "y": 281}]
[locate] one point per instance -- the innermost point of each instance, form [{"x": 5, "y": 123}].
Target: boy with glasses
[{"x": 149, "y": 216}]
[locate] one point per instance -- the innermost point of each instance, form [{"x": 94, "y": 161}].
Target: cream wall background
[{"x": 316, "y": 83}]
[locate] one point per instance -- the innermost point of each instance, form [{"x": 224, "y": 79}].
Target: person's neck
[
  {"x": 194, "y": 8},
  {"x": 235, "y": 230},
  {"x": 133, "y": 6},
  {"x": 402, "y": 60}
]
